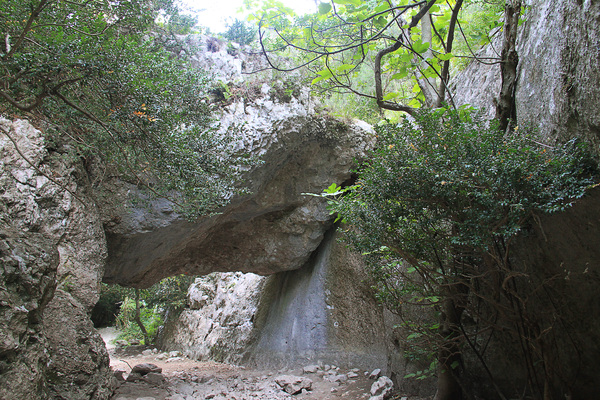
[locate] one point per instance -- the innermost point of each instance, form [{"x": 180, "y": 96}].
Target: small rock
[
  {"x": 355, "y": 370},
  {"x": 155, "y": 350},
  {"x": 147, "y": 352},
  {"x": 375, "y": 374},
  {"x": 341, "y": 378},
  {"x": 310, "y": 369},
  {"x": 146, "y": 368},
  {"x": 121, "y": 343},
  {"x": 293, "y": 384},
  {"x": 146, "y": 398},
  {"x": 172, "y": 359},
  {"x": 174, "y": 354},
  {"x": 118, "y": 374},
  {"x": 134, "y": 342},
  {"x": 327, "y": 367},
  {"x": 134, "y": 377},
  {"x": 154, "y": 378},
  {"x": 352, "y": 375},
  {"x": 334, "y": 390},
  {"x": 382, "y": 386},
  {"x": 161, "y": 356}
]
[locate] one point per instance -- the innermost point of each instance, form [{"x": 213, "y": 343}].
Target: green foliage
[
  {"x": 240, "y": 32},
  {"x": 434, "y": 210},
  {"x": 168, "y": 294},
  {"x": 100, "y": 73},
  {"x": 129, "y": 330},
  {"x": 448, "y": 179},
  {"x": 339, "y": 42}
]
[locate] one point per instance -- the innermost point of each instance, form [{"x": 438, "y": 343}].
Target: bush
[{"x": 434, "y": 210}]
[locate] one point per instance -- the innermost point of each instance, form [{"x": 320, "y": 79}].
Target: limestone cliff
[{"x": 45, "y": 200}]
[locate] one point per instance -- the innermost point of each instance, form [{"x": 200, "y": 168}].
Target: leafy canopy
[
  {"x": 447, "y": 180},
  {"x": 403, "y": 42},
  {"x": 99, "y": 71}
]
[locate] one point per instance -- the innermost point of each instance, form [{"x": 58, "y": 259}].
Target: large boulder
[
  {"x": 276, "y": 227},
  {"x": 45, "y": 194}
]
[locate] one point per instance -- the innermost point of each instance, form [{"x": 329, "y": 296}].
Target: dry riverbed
[{"x": 181, "y": 378}]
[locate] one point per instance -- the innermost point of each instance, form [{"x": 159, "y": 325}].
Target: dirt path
[{"x": 185, "y": 379}]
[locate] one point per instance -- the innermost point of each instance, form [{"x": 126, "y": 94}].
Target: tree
[
  {"x": 435, "y": 210},
  {"x": 398, "y": 40},
  {"x": 98, "y": 70}
]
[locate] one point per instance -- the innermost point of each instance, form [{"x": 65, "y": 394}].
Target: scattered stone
[
  {"x": 375, "y": 374},
  {"x": 334, "y": 390},
  {"x": 134, "y": 342},
  {"x": 121, "y": 343},
  {"x": 382, "y": 386},
  {"x": 173, "y": 359},
  {"x": 310, "y": 369},
  {"x": 146, "y": 398},
  {"x": 155, "y": 378},
  {"x": 174, "y": 354},
  {"x": 134, "y": 377},
  {"x": 147, "y": 352},
  {"x": 146, "y": 368},
  {"x": 355, "y": 370},
  {"x": 118, "y": 374},
  {"x": 352, "y": 375},
  {"x": 293, "y": 384},
  {"x": 162, "y": 356}
]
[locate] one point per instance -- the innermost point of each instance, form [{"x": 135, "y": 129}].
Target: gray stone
[
  {"x": 154, "y": 378},
  {"x": 310, "y": 369},
  {"x": 28, "y": 263},
  {"x": 382, "y": 386},
  {"x": 375, "y": 374},
  {"x": 134, "y": 377},
  {"x": 146, "y": 368},
  {"x": 293, "y": 384}
]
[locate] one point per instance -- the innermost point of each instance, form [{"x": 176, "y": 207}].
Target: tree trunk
[
  {"x": 505, "y": 108},
  {"x": 138, "y": 318},
  {"x": 449, "y": 354}
]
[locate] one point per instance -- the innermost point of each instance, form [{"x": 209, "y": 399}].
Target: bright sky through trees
[{"x": 217, "y": 12}]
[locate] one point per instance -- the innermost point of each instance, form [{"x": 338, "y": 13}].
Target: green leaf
[
  {"x": 390, "y": 96},
  {"x": 324, "y": 8},
  {"x": 420, "y": 47},
  {"x": 344, "y": 68},
  {"x": 446, "y": 57}
]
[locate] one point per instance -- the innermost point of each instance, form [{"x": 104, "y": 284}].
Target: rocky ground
[{"x": 148, "y": 374}]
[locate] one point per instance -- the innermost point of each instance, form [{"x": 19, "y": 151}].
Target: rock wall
[
  {"x": 558, "y": 95},
  {"x": 27, "y": 279},
  {"x": 45, "y": 197},
  {"x": 557, "y": 89},
  {"x": 323, "y": 312}
]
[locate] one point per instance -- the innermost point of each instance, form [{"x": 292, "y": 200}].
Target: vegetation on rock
[
  {"x": 435, "y": 210},
  {"x": 101, "y": 74}
]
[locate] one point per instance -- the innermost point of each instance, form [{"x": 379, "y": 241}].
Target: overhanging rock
[{"x": 275, "y": 228}]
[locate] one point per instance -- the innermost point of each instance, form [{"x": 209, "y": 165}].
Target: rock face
[
  {"x": 273, "y": 229},
  {"x": 557, "y": 93},
  {"x": 557, "y": 89},
  {"x": 27, "y": 279},
  {"x": 44, "y": 197},
  {"x": 323, "y": 312}
]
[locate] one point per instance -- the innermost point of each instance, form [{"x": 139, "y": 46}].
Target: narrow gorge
[{"x": 276, "y": 288}]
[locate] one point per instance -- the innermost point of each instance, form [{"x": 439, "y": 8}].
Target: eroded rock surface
[
  {"x": 28, "y": 265},
  {"x": 44, "y": 195},
  {"x": 276, "y": 227},
  {"x": 557, "y": 89}
]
